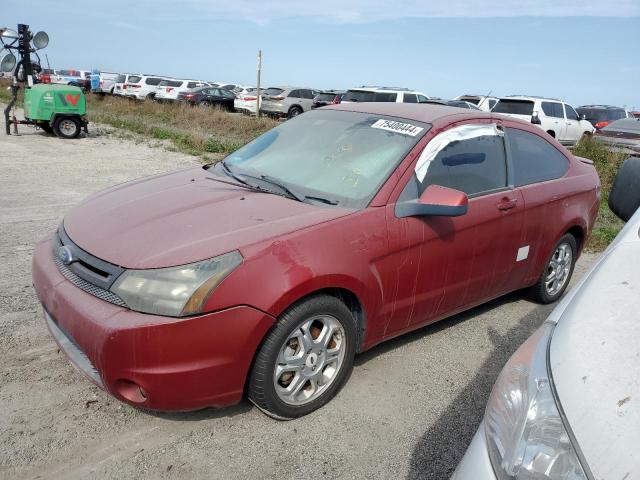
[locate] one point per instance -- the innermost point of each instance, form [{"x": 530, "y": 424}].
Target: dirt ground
[{"x": 408, "y": 411}]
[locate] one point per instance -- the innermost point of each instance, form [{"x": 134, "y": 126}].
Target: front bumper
[
  {"x": 476, "y": 465},
  {"x": 155, "y": 362}
]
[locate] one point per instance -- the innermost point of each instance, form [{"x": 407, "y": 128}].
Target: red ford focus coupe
[{"x": 266, "y": 273}]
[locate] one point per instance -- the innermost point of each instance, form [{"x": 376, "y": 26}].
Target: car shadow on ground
[{"x": 443, "y": 445}]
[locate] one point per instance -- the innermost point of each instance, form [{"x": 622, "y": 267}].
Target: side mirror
[
  {"x": 535, "y": 119},
  {"x": 624, "y": 198},
  {"x": 435, "y": 201},
  {"x": 583, "y": 116}
]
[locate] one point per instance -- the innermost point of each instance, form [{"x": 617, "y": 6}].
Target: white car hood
[{"x": 595, "y": 359}]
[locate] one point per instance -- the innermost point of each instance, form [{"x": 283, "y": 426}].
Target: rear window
[
  {"x": 474, "y": 100},
  {"x": 514, "y": 107},
  {"x": 134, "y": 79},
  {"x": 273, "y": 91},
  {"x": 602, "y": 114},
  {"x": 152, "y": 81},
  {"x": 121, "y": 79},
  {"x": 365, "y": 96}
]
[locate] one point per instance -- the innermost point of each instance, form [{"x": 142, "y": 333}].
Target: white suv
[
  {"x": 168, "y": 90},
  {"x": 384, "y": 94},
  {"x": 555, "y": 117},
  {"x": 142, "y": 86}
]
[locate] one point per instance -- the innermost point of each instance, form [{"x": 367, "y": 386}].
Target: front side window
[
  {"x": 534, "y": 159},
  {"x": 341, "y": 156},
  {"x": 492, "y": 103},
  {"x": 571, "y": 113},
  {"x": 470, "y": 158},
  {"x": 422, "y": 99}
]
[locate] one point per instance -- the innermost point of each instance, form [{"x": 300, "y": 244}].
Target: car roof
[
  {"x": 421, "y": 112},
  {"x": 603, "y": 107},
  {"x": 529, "y": 97}
]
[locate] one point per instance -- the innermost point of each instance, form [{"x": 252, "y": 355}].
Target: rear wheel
[
  {"x": 305, "y": 359},
  {"x": 67, "y": 127},
  {"x": 557, "y": 272},
  {"x": 294, "y": 112},
  {"x": 204, "y": 103}
]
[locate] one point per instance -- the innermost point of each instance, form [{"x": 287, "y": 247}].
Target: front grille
[
  {"x": 73, "y": 351},
  {"x": 90, "y": 288},
  {"x": 85, "y": 271}
]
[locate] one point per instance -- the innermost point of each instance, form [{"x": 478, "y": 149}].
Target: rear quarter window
[
  {"x": 534, "y": 159},
  {"x": 386, "y": 97}
]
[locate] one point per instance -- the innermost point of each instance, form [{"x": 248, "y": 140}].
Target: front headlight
[
  {"x": 525, "y": 434},
  {"x": 174, "y": 291}
]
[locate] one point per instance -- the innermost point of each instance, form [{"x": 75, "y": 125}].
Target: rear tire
[
  {"x": 305, "y": 359},
  {"x": 204, "y": 103},
  {"x": 557, "y": 271},
  {"x": 67, "y": 127},
  {"x": 294, "y": 112}
]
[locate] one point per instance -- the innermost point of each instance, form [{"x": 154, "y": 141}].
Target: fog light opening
[{"x": 131, "y": 391}]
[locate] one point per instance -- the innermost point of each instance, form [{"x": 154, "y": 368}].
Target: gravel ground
[{"x": 408, "y": 411}]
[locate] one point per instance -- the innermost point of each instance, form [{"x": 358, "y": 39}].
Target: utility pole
[{"x": 258, "y": 85}]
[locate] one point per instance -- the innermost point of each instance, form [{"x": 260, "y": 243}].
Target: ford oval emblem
[{"x": 65, "y": 255}]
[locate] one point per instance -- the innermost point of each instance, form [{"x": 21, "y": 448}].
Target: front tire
[
  {"x": 305, "y": 360},
  {"x": 557, "y": 271},
  {"x": 67, "y": 127}
]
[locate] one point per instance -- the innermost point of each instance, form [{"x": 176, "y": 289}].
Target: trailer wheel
[{"x": 67, "y": 127}]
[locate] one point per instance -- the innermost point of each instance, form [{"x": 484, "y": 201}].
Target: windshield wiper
[
  {"x": 243, "y": 183},
  {"x": 278, "y": 183},
  {"x": 321, "y": 199}
]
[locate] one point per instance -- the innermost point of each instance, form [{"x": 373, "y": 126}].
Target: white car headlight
[
  {"x": 174, "y": 291},
  {"x": 525, "y": 433}
]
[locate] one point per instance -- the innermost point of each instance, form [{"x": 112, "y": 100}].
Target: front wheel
[
  {"x": 67, "y": 127},
  {"x": 305, "y": 360},
  {"x": 557, "y": 272}
]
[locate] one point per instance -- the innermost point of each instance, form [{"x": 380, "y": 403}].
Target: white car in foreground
[
  {"x": 567, "y": 403},
  {"x": 558, "y": 119}
]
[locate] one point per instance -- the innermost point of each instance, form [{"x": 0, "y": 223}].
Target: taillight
[
  {"x": 249, "y": 99},
  {"x": 124, "y": 87},
  {"x": 601, "y": 124},
  {"x": 277, "y": 98},
  {"x": 336, "y": 100},
  {"x": 189, "y": 96},
  {"x": 102, "y": 83}
]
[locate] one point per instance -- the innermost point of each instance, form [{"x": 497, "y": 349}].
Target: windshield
[
  {"x": 514, "y": 107},
  {"x": 340, "y": 156}
]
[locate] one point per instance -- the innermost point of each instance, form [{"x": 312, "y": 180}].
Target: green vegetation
[{"x": 607, "y": 164}]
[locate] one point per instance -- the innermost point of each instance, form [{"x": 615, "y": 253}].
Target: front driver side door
[{"x": 446, "y": 264}]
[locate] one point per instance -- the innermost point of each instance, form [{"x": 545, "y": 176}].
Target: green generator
[{"x": 59, "y": 109}]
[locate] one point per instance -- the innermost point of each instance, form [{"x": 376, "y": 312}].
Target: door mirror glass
[
  {"x": 535, "y": 119},
  {"x": 435, "y": 201},
  {"x": 624, "y": 198}
]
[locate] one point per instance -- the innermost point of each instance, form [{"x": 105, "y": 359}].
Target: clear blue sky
[{"x": 579, "y": 50}]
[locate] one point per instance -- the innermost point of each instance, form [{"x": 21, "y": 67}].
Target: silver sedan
[{"x": 567, "y": 403}]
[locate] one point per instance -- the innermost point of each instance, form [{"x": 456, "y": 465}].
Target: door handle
[{"x": 507, "y": 204}]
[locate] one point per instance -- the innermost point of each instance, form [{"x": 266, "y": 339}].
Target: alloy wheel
[
  {"x": 558, "y": 269},
  {"x": 309, "y": 360}
]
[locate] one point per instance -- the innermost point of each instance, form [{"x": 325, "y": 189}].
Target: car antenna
[{"x": 485, "y": 97}]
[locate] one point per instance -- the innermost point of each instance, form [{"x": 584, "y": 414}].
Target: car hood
[
  {"x": 595, "y": 359},
  {"x": 183, "y": 217}
]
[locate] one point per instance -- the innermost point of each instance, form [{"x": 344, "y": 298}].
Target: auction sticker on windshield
[{"x": 397, "y": 127}]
